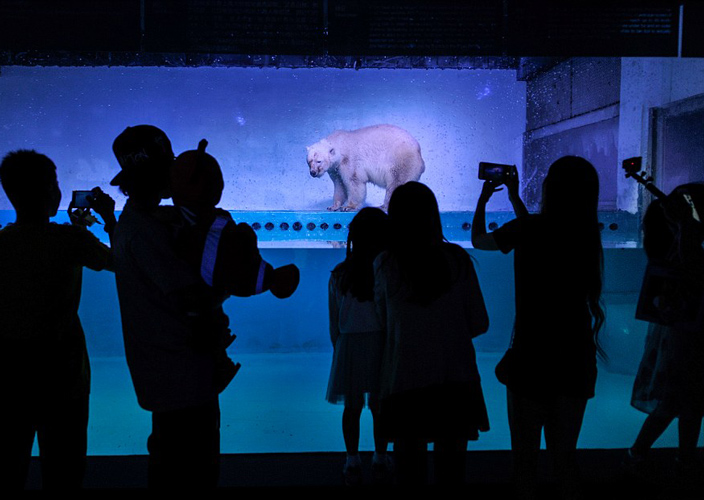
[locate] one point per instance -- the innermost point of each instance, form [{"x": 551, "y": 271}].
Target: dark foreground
[{"x": 319, "y": 475}]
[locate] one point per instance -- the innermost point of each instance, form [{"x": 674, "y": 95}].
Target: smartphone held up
[
  {"x": 497, "y": 172},
  {"x": 81, "y": 199}
]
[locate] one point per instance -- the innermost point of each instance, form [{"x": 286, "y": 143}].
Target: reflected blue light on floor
[{"x": 276, "y": 404}]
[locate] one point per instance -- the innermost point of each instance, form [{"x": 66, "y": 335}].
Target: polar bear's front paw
[
  {"x": 334, "y": 208},
  {"x": 349, "y": 208}
]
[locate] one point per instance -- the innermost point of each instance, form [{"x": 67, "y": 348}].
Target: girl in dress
[{"x": 356, "y": 335}]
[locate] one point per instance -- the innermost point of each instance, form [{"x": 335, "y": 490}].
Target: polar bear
[{"x": 384, "y": 155}]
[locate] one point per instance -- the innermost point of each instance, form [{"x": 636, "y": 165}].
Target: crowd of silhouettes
[
  {"x": 174, "y": 266},
  {"x": 404, "y": 307}
]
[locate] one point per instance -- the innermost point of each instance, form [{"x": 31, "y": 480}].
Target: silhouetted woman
[
  {"x": 550, "y": 369},
  {"x": 670, "y": 379},
  {"x": 357, "y": 338},
  {"x": 428, "y": 298}
]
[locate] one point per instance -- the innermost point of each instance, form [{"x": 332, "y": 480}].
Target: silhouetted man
[{"x": 166, "y": 320}]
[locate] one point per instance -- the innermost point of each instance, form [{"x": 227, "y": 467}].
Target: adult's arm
[
  {"x": 480, "y": 238},
  {"x": 514, "y": 197}
]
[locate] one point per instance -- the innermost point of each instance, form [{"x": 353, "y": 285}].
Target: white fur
[{"x": 384, "y": 155}]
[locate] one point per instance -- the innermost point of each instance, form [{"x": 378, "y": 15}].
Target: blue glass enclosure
[{"x": 258, "y": 123}]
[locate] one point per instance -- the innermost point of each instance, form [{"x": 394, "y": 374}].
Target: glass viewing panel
[{"x": 258, "y": 123}]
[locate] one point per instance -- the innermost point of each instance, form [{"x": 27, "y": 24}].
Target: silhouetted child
[
  {"x": 224, "y": 252},
  {"x": 44, "y": 368},
  {"x": 357, "y": 337}
]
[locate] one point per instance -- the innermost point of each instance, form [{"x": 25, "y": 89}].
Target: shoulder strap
[{"x": 210, "y": 250}]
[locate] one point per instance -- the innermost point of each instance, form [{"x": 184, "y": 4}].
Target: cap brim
[{"x": 116, "y": 180}]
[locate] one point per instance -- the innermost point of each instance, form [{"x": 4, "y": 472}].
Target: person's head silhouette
[
  {"x": 30, "y": 183},
  {"x": 414, "y": 215},
  {"x": 196, "y": 179},
  {"x": 145, "y": 156},
  {"x": 368, "y": 237},
  {"x": 571, "y": 189},
  {"x": 368, "y": 232}
]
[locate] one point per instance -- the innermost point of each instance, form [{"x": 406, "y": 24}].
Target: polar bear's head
[{"x": 321, "y": 156}]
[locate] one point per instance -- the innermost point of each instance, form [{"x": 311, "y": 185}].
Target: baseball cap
[{"x": 140, "y": 146}]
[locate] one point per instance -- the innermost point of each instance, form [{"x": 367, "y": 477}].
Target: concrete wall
[
  {"x": 572, "y": 109},
  {"x": 647, "y": 83}
]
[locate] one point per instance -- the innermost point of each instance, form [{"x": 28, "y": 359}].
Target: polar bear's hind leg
[
  {"x": 356, "y": 194},
  {"x": 398, "y": 175}
]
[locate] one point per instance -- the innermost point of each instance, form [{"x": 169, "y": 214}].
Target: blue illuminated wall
[{"x": 259, "y": 121}]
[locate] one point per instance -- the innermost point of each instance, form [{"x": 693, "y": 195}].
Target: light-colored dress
[{"x": 356, "y": 334}]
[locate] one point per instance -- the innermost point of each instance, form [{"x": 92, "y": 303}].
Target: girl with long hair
[
  {"x": 550, "y": 367},
  {"x": 356, "y": 335},
  {"x": 430, "y": 304}
]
